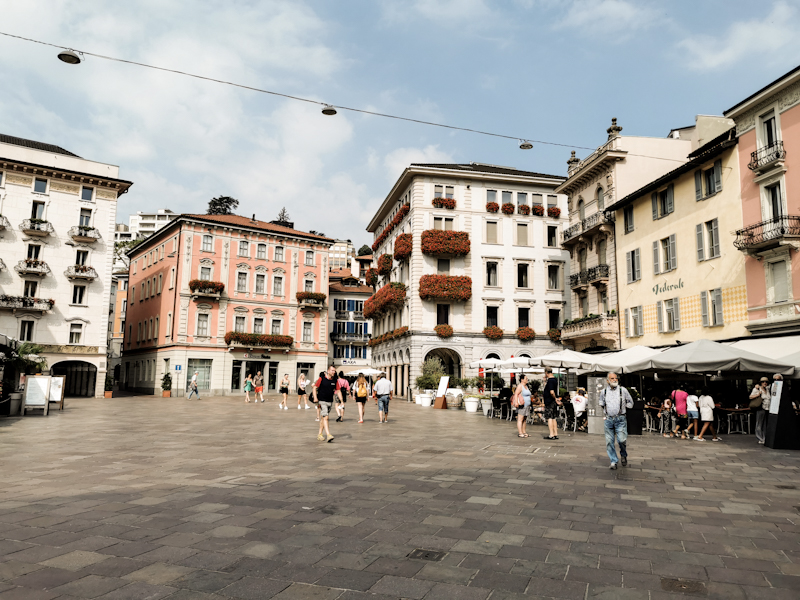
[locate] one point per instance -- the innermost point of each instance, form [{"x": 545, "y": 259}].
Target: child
[{"x": 665, "y": 414}]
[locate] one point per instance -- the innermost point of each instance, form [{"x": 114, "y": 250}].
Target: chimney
[{"x": 254, "y": 217}]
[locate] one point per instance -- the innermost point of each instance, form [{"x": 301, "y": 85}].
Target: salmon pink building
[
  {"x": 225, "y": 296},
  {"x": 768, "y": 129}
]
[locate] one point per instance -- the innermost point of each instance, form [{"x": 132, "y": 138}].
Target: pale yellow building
[{"x": 679, "y": 276}]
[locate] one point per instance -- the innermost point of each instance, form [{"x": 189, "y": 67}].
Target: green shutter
[
  {"x": 641, "y": 320},
  {"x": 718, "y": 306},
  {"x": 627, "y": 324},
  {"x": 628, "y": 260},
  {"x": 718, "y": 175},
  {"x": 700, "y": 243},
  {"x": 660, "y": 316},
  {"x": 637, "y": 265},
  {"x": 670, "y": 199},
  {"x": 704, "y": 307},
  {"x": 654, "y": 200},
  {"x": 676, "y": 311},
  {"x": 714, "y": 238},
  {"x": 698, "y": 185},
  {"x": 673, "y": 253},
  {"x": 655, "y": 258}
]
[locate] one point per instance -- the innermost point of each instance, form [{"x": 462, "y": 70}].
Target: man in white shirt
[{"x": 382, "y": 391}]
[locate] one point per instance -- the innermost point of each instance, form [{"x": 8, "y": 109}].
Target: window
[
  {"x": 81, "y": 256},
  {"x": 150, "y": 329},
  {"x": 603, "y": 301},
  {"x": 277, "y": 286},
  {"x": 26, "y": 331},
  {"x": 138, "y": 331},
  {"x": 261, "y": 251},
  {"x": 779, "y": 280},
  {"x": 634, "y": 264},
  {"x": 627, "y": 214},
  {"x": 205, "y": 273},
  {"x": 260, "y": 283},
  {"x": 581, "y": 210},
  {"x": 553, "y": 317},
  {"x": 523, "y": 317},
  {"x": 443, "y": 266},
  {"x": 582, "y": 259},
  {"x": 635, "y": 326},
  {"x": 142, "y": 297},
  {"x": 308, "y": 285},
  {"x": 241, "y": 282},
  {"x": 663, "y": 202},
  {"x": 243, "y": 248},
  {"x": 155, "y": 330},
  {"x": 711, "y": 307},
  {"x": 239, "y": 324},
  {"x": 584, "y": 299},
  {"x": 774, "y": 201},
  {"x": 508, "y": 197},
  {"x": 708, "y": 182},
  {"x": 522, "y": 234},
  {"x": 443, "y": 223},
  {"x": 310, "y": 258},
  {"x": 442, "y": 314},
  {"x": 160, "y": 279},
  {"x": 85, "y": 218},
  {"x": 172, "y": 278},
  {"x": 536, "y": 200},
  {"x": 522, "y": 199},
  {"x": 202, "y": 325},
  {"x": 491, "y": 316},
  {"x": 75, "y": 330},
  {"x": 208, "y": 243},
  {"x": 668, "y": 315},
  {"x": 491, "y": 274},
  {"x": 665, "y": 258},
  {"x": 276, "y": 327},
  {"x": 769, "y": 129},
  {"x": 552, "y": 236},
  {"x": 552, "y": 201},
  {"x": 522, "y": 275},
  {"x": 307, "y": 331},
  {"x": 37, "y": 210},
  {"x": 147, "y": 287},
  {"x": 78, "y": 293},
  {"x": 40, "y": 186},
  {"x": 279, "y": 253},
  {"x": 33, "y": 251},
  {"x": 600, "y": 197},
  {"x": 258, "y": 325},
  {"x": 491, "y": 232},
  {"x": 491, "y": 196},
  {"x": 707, "y": 235},
  {"x": 553, "y": 277}
]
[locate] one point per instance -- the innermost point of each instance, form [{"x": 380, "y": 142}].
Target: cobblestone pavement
[{"x": 137, "y": 498}]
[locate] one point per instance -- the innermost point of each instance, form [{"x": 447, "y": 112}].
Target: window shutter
[
  {"x": 630, "y": 266},
  {"x": 676, "y": 311},
  {"x": 655, "y": 258},
  {"x": 718, "y": 176},
  {"x": 718, "y": 306},
  {"x": 670, "y": 199},
  {"x": 351, "y": 305},
  {"x": 698, "y": 185},
  {"x": 654, "y": 200},
  {"x": 366, "y": 328},
  {"x": 700, "y": 242},
  {"x": 673, "y": 253},
  {"x": 351, "y": 327},
  {"x": 714, "y": 238},
  {"x": 660, "y": 317},
  {"x": 640, "y": 324},
  {"x": 627, "y": 324},
  {"x": 704, "y": 307},
  {"x": 637, "y": 265}
]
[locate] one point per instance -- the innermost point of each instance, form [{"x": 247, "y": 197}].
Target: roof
[
  {"x": 10, "y": 139},
  {"x": 365, "y": 257},
  {"x": 763, "y": 89},
  {"x": 240, "y": 221},
  {"x": 350, "y": 289},
  {"x": 484, "y": 168}
]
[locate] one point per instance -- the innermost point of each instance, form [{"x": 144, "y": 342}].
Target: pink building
[
  {"x": 768, "y": 128},
  {"x": 225, "y": 296}
]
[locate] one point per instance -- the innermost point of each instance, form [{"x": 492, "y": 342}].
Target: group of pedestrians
[{"x": 687, "y": 416}]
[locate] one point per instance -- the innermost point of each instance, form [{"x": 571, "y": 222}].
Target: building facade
[
  {"x": 350, "y": 331},
  {"x": 117, "y": 310},
  {"x": 56, "y": 252},
  {"x": 768, "y": 127},
  {"x": 342, "y": 255},
  {"x": 225, "y": 296},
  {"x": 144, "y": 224},
  {"x": 464, "y": 252}
]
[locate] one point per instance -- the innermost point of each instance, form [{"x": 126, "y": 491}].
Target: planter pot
[
  {"x": 109, "y": 394},
  {"x": 166, "y": 393},
  {"x": 471, "y": 404},
  {"x": 15, "y": 403},
  {"x": 418, "y": 399},
  {"x": 486, "y": 405},
  {"x": 426, "y": 400},
  {"x": 453, "y": 402}
]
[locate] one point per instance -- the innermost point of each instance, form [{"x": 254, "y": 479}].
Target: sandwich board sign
[
  {"x": 56, "y": 395},
  {"x": 37, "y": 393}
]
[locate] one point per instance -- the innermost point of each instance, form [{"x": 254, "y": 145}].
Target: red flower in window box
[
  {"x": 524, "y": 209},
  {"x": 399, "y": 332},
  {"x": 255, "y": 339},
  {"x": 319, "y": 296},
  {"x": 443, "y": 331},
  {"x": 384, "y": 264},
  {"x": 444, "y": 203},
  {"x": 526, "y": 334},
  {"x": 389, "y": 297},
  {"x": 436, "y": 242},
  {"x": 396, "y": 220},
  {"x": 492, "y": 207},
  {"x": 538, "y": 210},
  {"x": 201, "y": 285},
  {"x": 554, "y": 334},
  {"x": 493, "y": 332},
  {"x": 372, "y": 277},
  {"x": 457, "y": 288},
  {"x": 403, "y": 244},
  {"x": 507, "y": 208},
  {"x": 553, "y": 212}
]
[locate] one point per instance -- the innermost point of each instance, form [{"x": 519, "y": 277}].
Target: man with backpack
[{"x": 361, "y": 391}]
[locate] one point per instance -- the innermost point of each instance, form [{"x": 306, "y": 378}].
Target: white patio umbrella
[
  {"x": 564, "y": 359},
  {"x": 367, "y": 371},
  {"x": 486, "y": 363},
  {"x": 704, "y": 356},
  {"x": 619, "y": 361},
  {"x": 517, "y": 361},
  {"x": 794, "y": 360}
]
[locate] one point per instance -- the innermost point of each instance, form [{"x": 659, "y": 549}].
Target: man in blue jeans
[{"x": 615, "y": 400}]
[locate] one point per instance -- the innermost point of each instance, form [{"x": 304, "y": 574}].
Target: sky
[{"x": 547, "y": 70}]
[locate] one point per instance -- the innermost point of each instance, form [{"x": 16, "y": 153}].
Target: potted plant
[
  {"x": 432, "y": 372},
  {"x": 109, "y": 393},
  {"x": 444, "y": 203},
  {"x": 526, "y": 334},
  {"x": 443, "y": 331},
  {"x": 507, "y": 208},
  {"x": 166, "y": 385},
  {"x": 403, "y": 245},
  {"x": 492, "y": 207},
  {"x": 493, "y": 332},
  {"x": 486, "y": 404},
  {"x": 553, "y": 212},
  {"x": 555, "y": 334},
  {"x": 524, "y": 209},
  {"x": 538, "y": 210}
]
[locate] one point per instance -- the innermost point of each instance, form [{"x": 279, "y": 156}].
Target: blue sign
[{"x": 177, "y": 367}]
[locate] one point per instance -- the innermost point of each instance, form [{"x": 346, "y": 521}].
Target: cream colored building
[{"x": 680, "y": 278}]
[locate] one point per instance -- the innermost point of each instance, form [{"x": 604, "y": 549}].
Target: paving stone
[
  {"x": 158, "y": 573},
  {"x": 21, "y": 593},
  {"x": 349, "y": 579},
  {"x": 90, "y": 586},
  {"x": 254, "y": 588},
  {"x": 139, "y": 591},
  {"x": 402, "y": 586},
  {"x": 449, "y": 591},
  {"x": 46, "y": 578},
  {"x": 205, "y": 581}
]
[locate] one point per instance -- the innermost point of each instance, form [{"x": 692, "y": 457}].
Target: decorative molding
[
  {"x": 241, "y": 309},
  {"x": 262, "y": 269},
  {"x": 18, "y": 179},
  {"x": 784, "y": 99},
  {"x": 276, "y": 311},
  {"x": 36, "y": 240},
  {"x": 26, "y": 316},
  {"x": 81, "y": 319},
  {"x": 204, "y": 307},
  {"x": 243, "y": 266},
  {"x": 259, "y": 311},
  {"x": 308, "y": 315},
  {"x": 58, "y": 186},
  {"x": 206, "y": 261},
  {"x": 310, "y": 274},
  {"x": 107, "y": 194},
  {"x": 278, "y": 270}
]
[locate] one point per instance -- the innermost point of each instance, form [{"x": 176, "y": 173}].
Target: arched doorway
[
  {"x": 450, "y": 359},
  {"x": 81, "y": 377}
]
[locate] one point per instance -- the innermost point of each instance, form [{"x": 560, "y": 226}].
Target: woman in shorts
[
  {"x": 302, "y": 394},
  {"x": 362, "y": 392},
  {"x": 283, "y": 389},
  {"x": 524, "y": 410}
]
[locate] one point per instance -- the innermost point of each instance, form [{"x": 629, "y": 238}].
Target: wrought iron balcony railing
[
  {"x": 765, "y": 156},
  {"x": 32, "y": 266},
  {"x": 350, "y": 337},
  {"x": 596, "y": 325},
  {"x": 597, "y": 273},
  {"x": 81, "y": 272},
  {"x": 85, "y": 235},
  {"x": 358, "y": 315},
  {"x": 342, "y": 314},
  {"x": 36, "y": 227},
  {"x": 4, "y": 224},
  {"x": 590, "y": 222},
  {"x": 768, "y": 233},
  {"x": 571, "y": 231},
  {"x": 25, "y": 302}
]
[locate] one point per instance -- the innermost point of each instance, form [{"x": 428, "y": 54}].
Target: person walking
[
  {"x": 522, "y": 394},
  {"x": 361, "y": 391},
  {"x": 579, "y": 408},
  {"x": 283, "y": 389},
  {"x": 706, "y": 405},
  {"x": 193, "y": 389},
  {"x": 326, "y": 390},
  {"x": 302, "y": 394},
  {"x": 248, "y": 387},
  {"x": 382, "y": 390},
  {"x": 344, "y": 386},
  {"x": 694, "y": 416},
  {"x": 665, "y": 414},
  {"x": 678, "y": 397},
  {"x": 258, "y": 384},
  {"x": 615, "y": 400},
  {"x": 762, "y": 390},
  {"x": 551, "y": 403}
]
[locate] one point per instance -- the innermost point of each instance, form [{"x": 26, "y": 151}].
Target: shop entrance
[
  {"x": 243, "y": 368},
  {"x": 81, "y": 377}
]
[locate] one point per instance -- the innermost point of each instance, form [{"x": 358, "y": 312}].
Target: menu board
[
  {"x": 57, "y": 390},
  {"x": 37, "y": 393}
]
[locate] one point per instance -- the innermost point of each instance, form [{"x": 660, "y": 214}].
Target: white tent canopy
[
  {"x": 619, "y": 361},
  {"x": 794, "y": 360},
  {"x": 367, "y": 371},
  {"x": 486, "y": 363},
  {"x": 704, "y": 356},
  {"x": 517, "y": 361},
  {"x": 564, "y": 359}
]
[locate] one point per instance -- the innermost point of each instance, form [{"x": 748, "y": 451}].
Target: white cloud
[
  {"x": 602, "y": 17},
  {"x": 444, "y": 11},
  {"x": 775, "y": 36},
  {"x": 397, "y": 160}
]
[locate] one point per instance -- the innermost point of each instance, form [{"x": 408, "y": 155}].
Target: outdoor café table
[{"x": 739, "y": 416}]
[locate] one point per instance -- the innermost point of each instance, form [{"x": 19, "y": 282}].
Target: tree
[
  {"x": 222, "y": 205},
  {"x": 315, "y": 232},
  {"x": 283, "y": 216},
  {"x": 121, "y": 249},
  {"x": 364, "y": 250},
  {"x": 432, "y": 372}
]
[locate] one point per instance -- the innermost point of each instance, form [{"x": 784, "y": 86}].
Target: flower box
[
  {"x": 371, "y": 277},
  {"x": 526, "y": 334},
  {"x": 207, "y": 287},
  {"x": 403, "y": 245},
  {"x": 457, "y": 288},
  {"x": 313, "y": 296},
  {"x": 553, "y": 212},
  {"x": 399, "y": 332},
  {"x": 554, "y": 334},
  {"x": 385, "y": 264},
  {"x": 492, "y": 207},
  {"x": 493, "y": 332},
  {"x": 537, "y": 210},
  {"x": 524, "y": 209},
  {"x": 390, "y": 297},
  {"x": 255, "y": 339},
  {"x": 436, "y": 242},
  {"x": 396, "y": 220},
  {"x": 507, "y": 208},
  {"x": 444, "y": 203},
  {"x": 443, "y": 331}
]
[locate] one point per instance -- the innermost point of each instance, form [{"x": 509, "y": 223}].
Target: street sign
[{"x": 177, "y": 367}]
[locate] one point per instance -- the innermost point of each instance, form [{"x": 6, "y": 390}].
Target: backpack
[{"x": 362, "y": 390}]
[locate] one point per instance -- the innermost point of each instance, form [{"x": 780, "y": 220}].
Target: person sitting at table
[
  {"x": 665, "y": 414},
  {"x": 569, "y": 410},
  {"x": 579, "y": 408},
  {"x": 706, "y": 404}
]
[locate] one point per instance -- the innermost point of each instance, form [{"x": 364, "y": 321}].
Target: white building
[
  {"x": 56, "y": 252},
  {"x": 350, "y": 332},
  {"x": 145, "y": 224},
  {"x": 513, "y": 263},
  {"x": 343, "y": 254}
]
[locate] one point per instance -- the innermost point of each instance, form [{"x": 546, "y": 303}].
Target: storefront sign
[{"x": 667, "y": 287}]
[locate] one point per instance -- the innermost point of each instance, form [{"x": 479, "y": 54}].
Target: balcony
[
  {"x": 203, "y": 288},
  {"x": 84, "y": 235},
  {"x": 598, "y": 219},
  {"x": 2, "y": 265},
  {"x": 579, "y": 280},
  {"x": 342, "y": 314},
  {"x": 36, "y": 227},
  {"x": 32, "y": 266},
  {"x": 602, "y": 325},
  {"x": 83, "y": 272},
  {"x": 4, "y": 224},
  {"x": 350, "y": 337},
  {"x": 780, "y": 231},
  {"x": 358, "y": 315},
  {"x": 597, "y": 275},
  {"x": 24, "y": 302},
  {"x": 766, "y": 157},
  {"x": 311, "y": 300}
]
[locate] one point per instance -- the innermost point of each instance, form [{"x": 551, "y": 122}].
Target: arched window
[
  {"x": 601, "y": 199},
  {"x": 601, "y": 252},
  {"x": 581, "y": 210}
]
